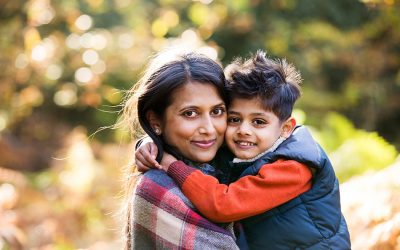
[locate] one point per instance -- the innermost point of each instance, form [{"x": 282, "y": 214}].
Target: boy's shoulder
[{"x": 299, "y": 147}]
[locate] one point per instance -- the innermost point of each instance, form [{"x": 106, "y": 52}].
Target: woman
[{"x": 180, "y": 104}]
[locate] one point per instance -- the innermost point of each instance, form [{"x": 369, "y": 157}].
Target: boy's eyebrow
[
  {"x": 233, "y": 112},
  {"x": 238, "y": 113},
  {"x": 258, "y": 114}
]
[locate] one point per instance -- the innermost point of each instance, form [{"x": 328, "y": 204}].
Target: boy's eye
[
  {"x": 233, "y": 119},
  {"x": 189, "y": 113},
  {"x": 259, "y": 122},
  {"x": 218, "y": 111}
]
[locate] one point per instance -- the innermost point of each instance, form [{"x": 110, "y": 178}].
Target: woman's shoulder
[
  {"x": 156, "y": 186},
  {"x": 157, "y": 177}
]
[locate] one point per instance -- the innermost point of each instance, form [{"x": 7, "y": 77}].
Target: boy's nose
[{"x": 244, "y": 129}]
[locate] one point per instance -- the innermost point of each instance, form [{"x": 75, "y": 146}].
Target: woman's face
[{"x": 195, "y": 122}]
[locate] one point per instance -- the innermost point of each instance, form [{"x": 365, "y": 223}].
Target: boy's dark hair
[{"x": 275, "y": 82}]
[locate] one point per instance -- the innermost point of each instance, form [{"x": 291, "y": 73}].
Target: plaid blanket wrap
[{"x": 161, "y": 217}]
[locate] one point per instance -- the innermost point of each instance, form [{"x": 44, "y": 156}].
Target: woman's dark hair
[
  {"x": 275, "y": 83},
  {"x": 154, "y": 90}
]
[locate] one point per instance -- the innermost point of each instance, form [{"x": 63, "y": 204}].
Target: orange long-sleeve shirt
[{"x": 275, "y": 184}]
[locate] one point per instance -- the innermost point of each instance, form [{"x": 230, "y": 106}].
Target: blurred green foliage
[
  {"x": 71, "y": 59},
  {"x": 353, "y": 151}
]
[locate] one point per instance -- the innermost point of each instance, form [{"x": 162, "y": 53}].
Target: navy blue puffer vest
[{"x": 312, "y": 220}]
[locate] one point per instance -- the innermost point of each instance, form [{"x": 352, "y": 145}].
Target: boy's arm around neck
[{"x": 275, "y": 184}]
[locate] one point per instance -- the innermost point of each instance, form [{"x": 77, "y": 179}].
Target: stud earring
[{"x": 157, "y": 131}]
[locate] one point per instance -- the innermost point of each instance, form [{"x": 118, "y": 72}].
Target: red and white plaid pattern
[{"x": 161, "y": 217}]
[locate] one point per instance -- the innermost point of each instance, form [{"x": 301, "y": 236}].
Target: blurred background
[{"x": 65, "y": 64}]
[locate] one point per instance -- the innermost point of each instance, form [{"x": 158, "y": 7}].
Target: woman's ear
[
  {"x": 288, "y": 127},
  {"x": 154, "y": 121}
]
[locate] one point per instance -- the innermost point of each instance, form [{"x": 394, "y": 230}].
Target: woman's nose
[{"x": 206, "y": 126}]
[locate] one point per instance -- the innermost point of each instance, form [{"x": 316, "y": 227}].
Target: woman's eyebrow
[
  {"x": 197, "y": 107},
  {"x": 188, "y": 107},
  {"x": 219, "y": 105}
]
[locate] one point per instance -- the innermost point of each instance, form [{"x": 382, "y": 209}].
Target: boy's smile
[
  {"x": 245, "y": 144},
  {"x": 251, "y": 128}
]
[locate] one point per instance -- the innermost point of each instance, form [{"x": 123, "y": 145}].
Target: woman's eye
[
  {"x": 190, "y": 113},
  {"x": 233, "y": 119},
  {"x": 218, "y": 111}
]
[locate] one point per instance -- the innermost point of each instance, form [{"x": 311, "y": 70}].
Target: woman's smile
[{"x": 204, "y": 144}]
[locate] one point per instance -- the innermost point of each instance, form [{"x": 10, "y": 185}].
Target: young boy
[{"x": 284, "y": 190}]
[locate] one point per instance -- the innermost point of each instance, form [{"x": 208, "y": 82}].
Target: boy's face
[{"x": 251, "y": 129}]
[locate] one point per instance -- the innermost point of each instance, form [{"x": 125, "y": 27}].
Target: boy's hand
[
  {"x": 167, "y": 160},
  {"x": 145, "y": 157}
]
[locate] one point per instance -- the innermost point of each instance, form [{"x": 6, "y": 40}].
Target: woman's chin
[{"x": 202, "y": 157}]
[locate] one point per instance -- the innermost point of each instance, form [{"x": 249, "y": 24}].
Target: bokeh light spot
[
  {"x": 90, "y": 57},
  {"x": 39, "y": 53},
  {"x": 73, "y": 41},
  {"x": 159, "y": 28},
  {"x": 54, "y": 72},
  {"x": 84, "y": 22},
  {"x": 86, "y": 40},
  {"x": 171, "y": 18},
  {"x": 40, "y": 12},
  {"x": 99, "y": 42},
  {"x": 65, "y": 97},
  {"x": 83, "y": 75},
  {"x": 22, "y": 61},
  {"x": 189, "y": 36}
]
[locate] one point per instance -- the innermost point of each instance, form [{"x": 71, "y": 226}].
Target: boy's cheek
[{"x": 229, "y": 134}]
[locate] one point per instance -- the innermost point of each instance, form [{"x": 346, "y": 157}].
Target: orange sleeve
[{"x": 275, "y": 184}]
